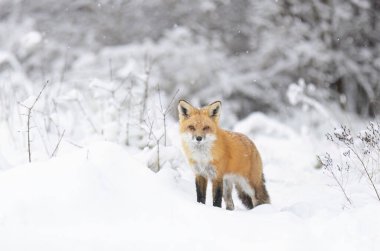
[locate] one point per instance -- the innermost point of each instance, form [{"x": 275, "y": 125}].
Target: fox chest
[
  {"x": 201, "y": 162},
  {"x": 200, "y": 154}
]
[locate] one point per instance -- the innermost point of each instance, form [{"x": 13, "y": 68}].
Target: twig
[
  {"x": 148, "y": 69},
  {"x": 158, "y": 151},
  {"x": 29, "y": 117},
  {"x": 328, "y": 164},
  {"x": 59, "y": 142},
  {"x": 365, "y": 170},
  {"x": 86, "y": 115},
  {"x": 74, "y": 144},
  {"x": 129, "y": 101},
  {"x": 370, "y": 140},
  {"x": 149, "y": 124},
  {"x": 165, "y": 111},
  {"x": 65, "y": 64},
  {"x": 39, "y": 95}
]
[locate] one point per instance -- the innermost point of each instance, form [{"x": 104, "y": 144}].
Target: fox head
[{"x": 199, "y": 125}]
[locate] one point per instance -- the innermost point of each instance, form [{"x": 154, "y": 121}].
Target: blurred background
[
  {"x": 89, "y": 92},
  {"x": 305, "y": 62}
]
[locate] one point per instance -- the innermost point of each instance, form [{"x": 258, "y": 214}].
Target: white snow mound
[{"x": 101, "y": 198}]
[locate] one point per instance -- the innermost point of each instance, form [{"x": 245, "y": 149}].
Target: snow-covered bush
[
  {"x": 304, "y": 95},
  {"x": 359, "y": 157},
  {"x": 246, "y": 51}
]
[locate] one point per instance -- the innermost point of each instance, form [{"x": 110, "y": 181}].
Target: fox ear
[
  {"x": 214, "y": 109},
  {"x": 184, "y": 109}
]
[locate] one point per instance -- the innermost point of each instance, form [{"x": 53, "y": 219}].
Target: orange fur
[{"x": 230, "y": 153}]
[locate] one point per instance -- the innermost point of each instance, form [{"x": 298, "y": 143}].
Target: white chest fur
[{"x": 201, "y": 154}]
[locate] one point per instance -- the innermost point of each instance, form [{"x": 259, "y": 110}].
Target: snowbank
[
  {"x": 259, "y": 123},
  {"x": 101, "y": 198},
  {"x": 3, "y": 163}
]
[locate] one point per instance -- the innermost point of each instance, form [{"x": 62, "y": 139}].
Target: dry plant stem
[
  {"x": 365, "y": 170},
  {"x": 86, "y": 115},
  {"x": 158, "y": 155},
  {"x": 167, "y": 110},
  {"x": 129, "y": 112},
  {"x": 146, "y": 93},
  {"x": 149, "y": 124},
  {"x": 158, "y": 151},
  {"x": 164, "y": 117},
  {"x": 64, "y": 69},
  {"x": 163, "y": 111},
  {"x": 57, "y": 146},
  {"x": 30, "y": 109},
  {"x": 329, "y": 166},
  {"x": 74, "y": 144},
  {"x": 28, "y": 132},
  {"x": 340, "y": 185},
  {"x": 148, "y": 68}
]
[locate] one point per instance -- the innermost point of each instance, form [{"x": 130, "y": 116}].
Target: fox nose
[{"x": 199, "y": 138}]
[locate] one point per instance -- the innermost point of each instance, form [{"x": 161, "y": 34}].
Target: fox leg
[
  {"x": 261, "y": 194},
  {"x": 217, "y": 192},
  {"x": 227, "y": 194},
  {"x": 201, "y": 187},
  {"x": 245, "y": 198}
]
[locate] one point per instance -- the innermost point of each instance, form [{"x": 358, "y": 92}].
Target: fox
[{"x": 228, "y": 159}]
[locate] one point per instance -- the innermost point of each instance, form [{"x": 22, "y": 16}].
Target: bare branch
[
  {"x": 327, "y": 163},
  {"x": 28, "y": 120},
  {"x": 57, "y": 146},
  {"x": 365, "y": 168},
  {"x": 74, "y": 144},
  {"x": 165, "y": 111},
  {"x": 86, "y": 115},
  {"x": 169, "y": 107},
  {"x": 363, "y": 148},
  {"x": 148, "y": 64},
  {"x": 39, "y": 95}
]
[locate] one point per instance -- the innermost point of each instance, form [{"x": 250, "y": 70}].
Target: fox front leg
[
  {"x": 201, "y": 187},
  {"x": 217, "y": 192}
]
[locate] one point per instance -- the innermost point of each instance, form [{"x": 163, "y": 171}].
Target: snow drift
[{"x": 101, "y": 198}]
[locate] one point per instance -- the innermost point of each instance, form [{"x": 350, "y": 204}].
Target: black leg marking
[
  {"x": 201, "y": 187},
  {"x": 246, "y": 200},
  {"x": 244, "y": 197},
  {"x": 217, "y": 188}
]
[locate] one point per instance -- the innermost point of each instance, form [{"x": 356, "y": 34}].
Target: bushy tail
[{"x": 261, "y": 193}]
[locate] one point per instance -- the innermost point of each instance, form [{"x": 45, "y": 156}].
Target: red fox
[{"x": 226, "y": 158}]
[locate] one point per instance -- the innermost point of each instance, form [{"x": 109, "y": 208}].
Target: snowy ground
[{"x": 103, "y": 197}]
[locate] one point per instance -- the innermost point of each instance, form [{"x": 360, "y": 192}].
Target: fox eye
[
  {"x": 206, "y": 128},
  {"x": 192, "y": 128}
]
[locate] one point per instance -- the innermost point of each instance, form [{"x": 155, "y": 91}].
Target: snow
[
  {"x": 29, "y": 101},
  {"x": 31, "y": 40},
  {"x": 258, "y": 123},
  {"x": 103, "y": 197},
  {"x": 3, "y": 163},
  {"x": 296, "y": 94}
]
